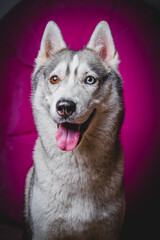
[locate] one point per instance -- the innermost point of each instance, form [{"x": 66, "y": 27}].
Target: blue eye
[{"x": 90, "y": 80}]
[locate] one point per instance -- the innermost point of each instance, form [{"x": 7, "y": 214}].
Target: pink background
[{"x": 135, "y": 28}]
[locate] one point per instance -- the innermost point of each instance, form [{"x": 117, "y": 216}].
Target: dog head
[{"x": 74, "y": 86}]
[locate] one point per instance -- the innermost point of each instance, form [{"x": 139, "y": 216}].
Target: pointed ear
[
  {"x": 102, "y": 42},
  {"x": 52, "y": 42}
]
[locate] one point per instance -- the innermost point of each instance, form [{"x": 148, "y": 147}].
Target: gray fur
[{"x": 77, "y": 194}]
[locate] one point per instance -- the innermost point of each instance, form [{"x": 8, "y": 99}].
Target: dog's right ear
[{"x": 52, "y": 42}]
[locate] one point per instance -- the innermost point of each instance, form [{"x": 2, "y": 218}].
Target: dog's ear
[
  {"x": 102, "y": 42},
  {"x": 52, "y": 42}
]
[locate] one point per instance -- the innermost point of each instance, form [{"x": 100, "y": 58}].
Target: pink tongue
[{"x": 67, "y": 137}]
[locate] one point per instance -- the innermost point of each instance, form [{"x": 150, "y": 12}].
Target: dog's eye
[
  {"x": 54, "y": 79},
  {"x": 90, "y": 80}
]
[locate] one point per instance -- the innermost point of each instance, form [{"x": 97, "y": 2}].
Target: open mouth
[{"x": 69, "y": 135}]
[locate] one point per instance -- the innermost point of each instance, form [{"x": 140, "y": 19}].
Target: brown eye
[{"x": 54, "y": 79}]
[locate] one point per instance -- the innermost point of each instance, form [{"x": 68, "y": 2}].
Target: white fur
[{"x": 58, "y": 71}]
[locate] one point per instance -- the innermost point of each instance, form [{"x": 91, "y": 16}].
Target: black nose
[{"x": 65, "y": 108}]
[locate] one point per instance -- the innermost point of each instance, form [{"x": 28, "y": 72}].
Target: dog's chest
[
  {"x": 50, "y": 207},
  {"x": 63, "y": 200}
]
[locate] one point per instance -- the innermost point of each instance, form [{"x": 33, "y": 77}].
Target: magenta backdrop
[{"x": 135, "y": 30}]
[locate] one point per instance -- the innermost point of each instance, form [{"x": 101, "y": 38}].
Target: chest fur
[{"x": 71, "y": 194}]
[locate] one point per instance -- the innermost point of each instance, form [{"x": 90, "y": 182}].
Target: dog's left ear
[{"x": 102, "y": 42}]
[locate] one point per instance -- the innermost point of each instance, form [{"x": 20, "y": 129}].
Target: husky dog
[{"x": 75, "y": 189}]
